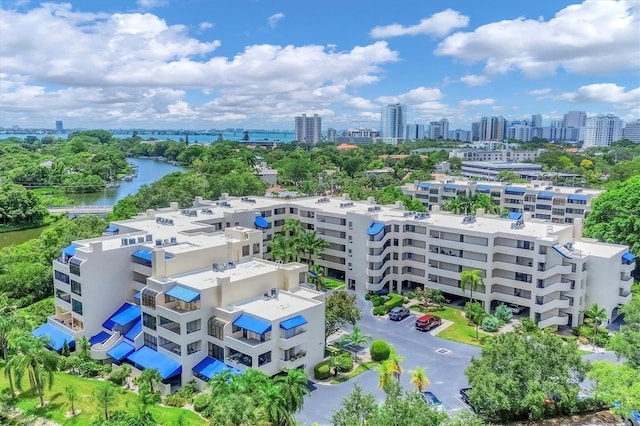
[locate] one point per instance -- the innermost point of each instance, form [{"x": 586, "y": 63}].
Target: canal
[{"x": 149, "y": 171}]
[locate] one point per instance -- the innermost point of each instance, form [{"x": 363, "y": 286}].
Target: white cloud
[
  {"x": 414, "y": 96},
  {"x": 474, "y": 80},
  {"x": 205, "y": 25},
  {"x": 150, "y": 4},
  {"x": 594, "y": 37},
  {"x": 476, "y": 102},
  {"x": 604, "y": 93},
  {"x": 274, "y": 19},
  {"x": 540, "y": 92},
  {"x": 439, "y": 24}
]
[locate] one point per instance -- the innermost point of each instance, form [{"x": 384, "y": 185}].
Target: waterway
[{"x": 149, "y": 171}]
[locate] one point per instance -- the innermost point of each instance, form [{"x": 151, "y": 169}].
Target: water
[{"x": 149, "y": 171}]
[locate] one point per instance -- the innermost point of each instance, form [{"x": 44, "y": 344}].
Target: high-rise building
[
  {"x": 394, "y": 118},
  {"x": 632, "y": 131},
  {"x": 493, "y": 128},
  {"x": 59, "y": 126},
  {"x": 520, "y": 132},
  {"x": 460, "y": 135},
  {"x": 475, "y": 131},
  {"x": 308, "y": 129},
  {"x": 575, "y": 119},
  {"x": 602, "y": 130},
  {"x": 415, "y": 131},
  {"x": 536, "y": 120},
  {"x": 439, "y": 129}
]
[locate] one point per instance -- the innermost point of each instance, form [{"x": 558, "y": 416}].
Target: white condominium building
[
  {"x": 170, "y": 290},
  {"x": 602, "y": 130}
]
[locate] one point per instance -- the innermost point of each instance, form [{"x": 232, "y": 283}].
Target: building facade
[
  {"x": 632, "y": 131},
  {"x": 415, "y": 132},
  {"x": 493, "y": 128},
  {"x": 308, "y": 129},
  {"x": 602, "y": 130},
  {"x": 439, "y": 129},
  {"x": 394, "y": 122}
]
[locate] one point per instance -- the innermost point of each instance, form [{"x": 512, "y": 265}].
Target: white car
[{"x": 516, "y": 309}]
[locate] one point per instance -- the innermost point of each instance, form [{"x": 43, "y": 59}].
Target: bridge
[{"x": 75, "y": 211}]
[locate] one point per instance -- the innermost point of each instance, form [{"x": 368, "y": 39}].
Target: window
[
  {"x": 395, "y": 255},
  {"x": 279, "y": 222},
  {"x": 265, "y": 358},
  {"x": 194, "y": 347},
  {"x": 256, "y": 248},
  {"x": 76, "y": 288},
  {"x": 76, "y": 306},
  {"x": 350, "y": 225},
  {"x": 245, "y": 250},
  {"x": 289, "y": 354},
  {"x": 149, "y": 298},
  {"x": 193, "y": 326},
  {"x": 396, "y": 228},
  {"x": 293, "y": 210},
  {"x": 74, "y": 266},
  {"x": 216, "y": 352},
  {"x": 61, "y": 277},
  {"x": 279, "y": 211},
  {"x": 410, "y": 228},
  {"x": 150, "y": 341},
  {"x": 149, "y": 321},
  {"x": 215, "y": 328}
]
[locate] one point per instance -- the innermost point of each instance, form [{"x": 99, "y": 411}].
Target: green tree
[
  {"x": 292, "y": 228},
  {"x": 312, "y": 245},
  {"x": 10, "y": 323},
  {"x": 355, "y": 340},
  {"x": 395, "y": 360},
  {"x": 293, "y": 387},
  {"x": 475, "y": 314},
  {"x": 149, "y": 377},
  {"x": 595, "y": 315},
  {"x": 284, "y": 248},
  {"x": 36, "y": 362},
  {"x": 471, "y": 279},
  {"x": 72, "y": 396},
  {"x": 386, "y": 375},
  {"x": 454, "y": 205},
  {"x": 355, "y": 409},
  {"x": 626, "y": 343},
  {"x": 419, "y": 379},
  {"x": 105, "y": 396},
  {"x": 616, "y": 385},
  {"x": 340, "y": 310},
  {"x": 316, "y": 277},
  {"x": 275, "y": 404},
  {"x": 503, "y": 313},
  {"x": 404, "y": 408},
  {"x": 85, "y": 347}
]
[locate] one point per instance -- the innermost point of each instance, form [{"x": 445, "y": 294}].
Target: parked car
[
  {"x": 399, "y": 313},
  {"x": 464, "y": 395},
  {"x": 433, "y": 401},
  {"x": 516, "y": 309},
  {"x": 633, "y": 419},
  {"x": 427, "y": 322}
]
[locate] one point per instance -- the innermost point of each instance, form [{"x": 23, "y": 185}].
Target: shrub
[
  {"x": 175, "y": 400},
  {"x": 380, "y": 350},
  {"x": 201, "y": 402},
  {"x": 188, "y": 390},
  {"x": 503, "y": 313},
  {"x": 322, "y": 371},
  {"x": 528, "y": 326},
  {"x": 376, "y": 300},
  {"x": 89, "y": 368},
  {"x": 118, "y": 376},
  {"x": 367, "y": 296},
  {"x": 379, "y": 310},
  {"x": 490, "y": 323},
  {"x": 393, "y": 301},
  {"x": 344, "y": 362}
]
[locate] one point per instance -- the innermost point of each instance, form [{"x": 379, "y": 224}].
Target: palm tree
[
  {"x": 483, "y": 201},
  {"x": 293, "y": 387},
  {"x": 272, "y": 399},
  {"x": 385, "y": 380},
  {"x": 149, "y": 377},
  {"x": 9, "y": 373},
  {"x": 10, "y": 322},
  {"x": 283, "y": 248},
  {"x": 292, "y": 228},
  {"x": 37, "y": 362},
  {"x": 85, "y": 347},
  {"x": 316, "y": 277},
  {"x": 472, "y": 279},
  {"x": 420, "y": 379},
  {"x": 220, "y": 383},
  {"x": 395, "y": 360},
  {"x": 596, "y": 316},
  {"x": 453, "y": 205},
  {"x": 354, "y": 340},
  {"x": 71, "y": 396},
  {"x": 312, "y": 245},
  {"x": 104, "y": 397}
]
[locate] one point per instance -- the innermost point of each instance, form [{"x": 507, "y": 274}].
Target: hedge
[
  {"x": 380, "y": 350},
  {"x": 322, "y": 371},
  {"x": 379, "y": 310},
  {"x": 394, "y": 301},
  {"x": 345, "y": 362}
]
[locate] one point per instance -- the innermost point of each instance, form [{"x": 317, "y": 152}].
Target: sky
[{"x": 257, "y": 64}]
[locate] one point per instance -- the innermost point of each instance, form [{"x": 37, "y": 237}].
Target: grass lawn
[
  {"x": 58, "y": 404},
  {"x": 332, "y": 284},
  {"x": 460, "y": 330},
  {"x": 361, "y": 368}
]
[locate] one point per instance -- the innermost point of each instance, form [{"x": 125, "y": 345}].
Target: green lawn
[
  {"x": 332, "y": 284},
  {"x": 361, "y": 368},
  {"x": 460, "y": 330},
  {"x": 58, "y": 404}
]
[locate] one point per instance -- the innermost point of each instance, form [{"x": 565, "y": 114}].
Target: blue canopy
[
  {"x": 56, "y": 336},
  {"x": 183, "y": 293},
  {"x": 121, "y": 351},
  {"x": 515, "y": 216},
  {"x": 143, "y": 254},
  {"x": 514, "y": 190},
  {"x": 209, "y": 367},
  {"x": 564, "y": 252},
  {"x": 147, "y": 358},
  {"x": 134, "y": 331},
  {"x": 577, "y": 197},
  {"x": 545, "y": 195},
  {"x": 628, "y": 257},
  {"x": 126, "y": 314},
  {"x": 294, "y": 322},
  {"x": 450, "y": 187},
  {"x": 375, "y": 228},
  {"x": 99, "y": 338},
  {"x": 250, "y": 323},
  {"x": 137, "y": 296},
  {"x": 483, "y": 188},
  {"x": 70, "y": 250},
  {"x": 424, "y": 185},
  {"x": 112, "y": 228},
  {"x": 261, "y": 222}
]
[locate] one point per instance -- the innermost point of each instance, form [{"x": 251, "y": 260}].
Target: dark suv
[
  {"x": 464, "y": 395},
  {"x": 399, "y": 313},
  {"x": 427, "y": 322}
]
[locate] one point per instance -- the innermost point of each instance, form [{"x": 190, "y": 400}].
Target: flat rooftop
[
  {"x": 598, "y": 249},
  {"x": 275, "y": 308},
  {"x": 537, "y": 185},
  {"x": 502, "y": 165}
]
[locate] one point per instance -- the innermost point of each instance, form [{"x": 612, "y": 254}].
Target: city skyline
[{"x": 160, "y": 64}]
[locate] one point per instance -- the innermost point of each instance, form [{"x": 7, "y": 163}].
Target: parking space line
[{"x": 409, "y": 317}]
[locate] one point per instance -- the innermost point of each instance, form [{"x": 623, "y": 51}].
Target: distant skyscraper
[
  {"x": 59, "y": 126},
  {"x": 332, "y": 134},
  {"x": 460, "y": 135},
  {"x": 394, "y": 118},
  {"x": 493, "y": 128},
  {"x": 475, "y": 131},
  {"x": 415, "y": 132},
  {"x": 439, "y": 129},
  {"x": 536, "y": 120},
  {"x": 602, "y": 130},
  {"x": 308, "y": 129},
  {"x": 632, "y": 131},
  {"x": 575, "y": 119}
]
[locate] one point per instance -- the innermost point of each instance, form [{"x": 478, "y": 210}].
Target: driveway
[{"x": 444, "y": 360}]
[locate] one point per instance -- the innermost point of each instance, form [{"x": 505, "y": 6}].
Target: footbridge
[{"x": 75, "y": 211}]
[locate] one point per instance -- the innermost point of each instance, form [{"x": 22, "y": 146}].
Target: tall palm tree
[
  {"x": 85, "y": 347},
  {"x": 596, "y": 316},
  {"x": 316, "y": 277},
  {"x": 385, "y": 380},
  {"x": 10, "y": 322},
  {"x": 35, "y": 361},
  {"x": 354, "y": 340},
  {"x": 293, "y": 387},
  {"x": 283, "y": 248},
  {"x": 72, "y": 396},
  {"x": 453, "y": 205},
  {"x": 292, "y": 228},
  {"x": 221, "y": 382},
  {"x": 483, "y": 201},
  {"x": 149, "y": 377},
  {"x": 395, "y": 360},
  {"x": 272, "y": 398},
  {"x": 471, "y": 279},
  {"x": 104, "y": 397},
  {"x": 312, "y": 245},
  {"x": 419, "y": 379}
]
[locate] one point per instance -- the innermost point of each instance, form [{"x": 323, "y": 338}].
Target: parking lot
[{"x": 444, "y": 360}]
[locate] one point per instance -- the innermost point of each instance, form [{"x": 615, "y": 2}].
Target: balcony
[
  {"x": 624, "y": 297},
  {"x": 294, "y": 361},
  {"x": 625, "y": 276},
  {"x": 554, "y": 270},
  {"x": 510, "y": 298},
  {"x": 300, "y": 336},
  {"x": 171, "y": 326},
  {"x": 245, "y": 341},
  {"x": 563, "y": 285},
  {"x": 544, "y": 306},
  {"x": 556, "y": 320}
]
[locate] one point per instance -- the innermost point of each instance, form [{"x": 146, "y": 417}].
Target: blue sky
[{"x": 201, "y": 64}]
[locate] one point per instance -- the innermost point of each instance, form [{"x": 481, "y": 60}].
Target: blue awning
[
  {"x": 424, "y": 185},
  {"x": 183, "y": 293},
  {"x": 134, "y": 331},
  {"x": 514, "y": 190},
  {"x": 250, "y": 323},
  {"x": 56, "y": 336},
  {"x": 112, "y": 228},
  {"x": 209, "y": 367},
  {"x": 294, "y": 322},
  {"x": 99, "y": 338},
  {"x": 143, "y": 254},
  {"x": 121, "y": 351},
  {"x": 126, "y": 314},
  {"x": 483, "y": 188},
  {"x": 515, "y": 216},
  {"x": 628, "y": 257},
  {"x": 375, "y": 228},
  {"x": 70, "y": 250},
  {"x": 564, "y": 252},
  {"x": 147, "y": 358},
  {"x": 545, "y": 195},
  {"x": 137, "y": 296},
  {"x": 450, "y": 187},
  {"x": 577, "y": 197},
  {"x": 261, "y": 222}
]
